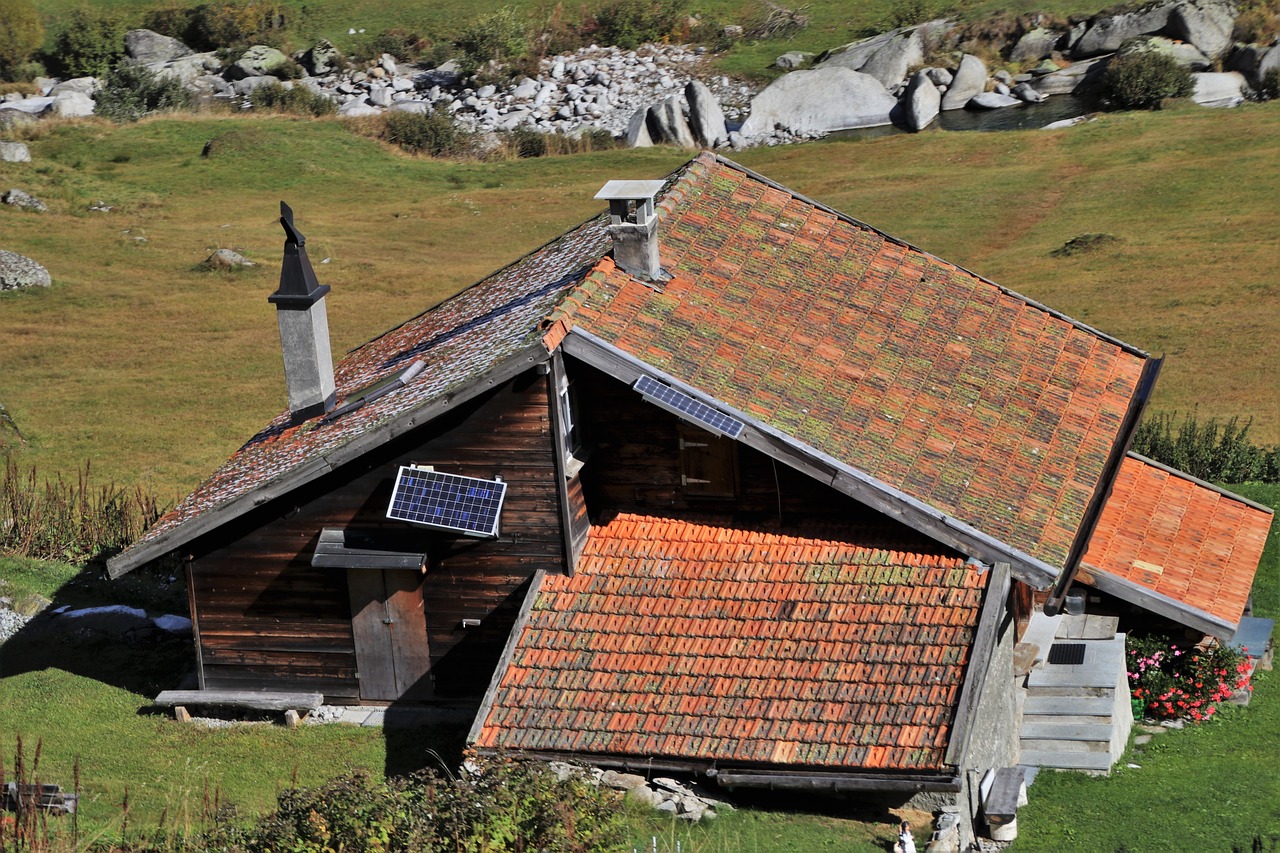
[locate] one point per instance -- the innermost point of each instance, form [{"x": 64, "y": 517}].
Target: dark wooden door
[{"x": 393, "y": 658}]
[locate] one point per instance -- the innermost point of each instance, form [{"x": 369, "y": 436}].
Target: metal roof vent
[
  {"x": 304, "y": 328},
  {"x": 633, "y": 225}
]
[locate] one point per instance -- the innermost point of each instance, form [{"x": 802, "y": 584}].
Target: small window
[
  {"x": 569, "y": 416},
  {"x": 708, "y": 464}
]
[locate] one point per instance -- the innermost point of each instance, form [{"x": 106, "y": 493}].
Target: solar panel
[
  {"x": 684, "y": 406},
  {"x": 447, "y": 501}
]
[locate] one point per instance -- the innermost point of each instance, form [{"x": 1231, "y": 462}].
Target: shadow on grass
[{"x": 119, "y": 646}]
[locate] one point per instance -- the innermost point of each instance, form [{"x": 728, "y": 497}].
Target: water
[{"x": 1023, "y": 117}]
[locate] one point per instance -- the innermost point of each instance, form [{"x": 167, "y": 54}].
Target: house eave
[
  {"x": 914, "y": 513},
  {"x": 1163, "y": 605},
  {"x": 294, "y": 478}
]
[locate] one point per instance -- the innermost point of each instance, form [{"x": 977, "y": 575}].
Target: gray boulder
[
  {"x": 77, "y": 85},
  {"x": 188, "y": 68},
  {"x": 668, "y": 125},
  {"x": 19, "y": 271},
  {"x": 323, "y": 58},
  {"x": 706, "y": 119},
  {"x": 1107, "y": 33},
  {"x": 1077, "y": 77},
  {"x": 14, "y": 152},
  {"x": 791, "y": 60},
  {"x": 1207, "y": 24},
  {"x": 147, "y": 47},
  {"x": 890, "y": 63},
  {"x": 939, "y": 76},
  {"x": 358, "y": 107},
  {"x": 245, "y": 85},
  {"x": 11, "y": 118},
  {"x": 1035, "y": 45},
  {"x": 30, "y": 106},
  {"x": 970, "y": 79},
  {"x": 72, "y": 105},
  {"x": 637, "y": 135},
  {"x": 226, "y": 259},
  {"x": 1219, "y": 89},
  {"x": 1247, "y": 59},
  {"x": 24, "y": 200},
  {"x": 1027, "y": 92},
  {"x": 819, "y": 101},
  {"x": 410, "y": 106},
  {"x": 258, "y": 61},
  {"x": 921, "y": 102},
  {"x": 1182, "y": 53},
  {"x": 992, "y": 101}
]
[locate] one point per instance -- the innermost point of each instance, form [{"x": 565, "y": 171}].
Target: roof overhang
[
  {"x": 324, "y": 464},
  {"x": 1149, "y": 599},
  {"x": 844, "y": 478}
]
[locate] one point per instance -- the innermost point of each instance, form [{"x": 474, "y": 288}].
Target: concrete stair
[{"x": 1077, "y": 717}]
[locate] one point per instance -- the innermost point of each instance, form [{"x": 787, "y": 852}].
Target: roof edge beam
[
  {"x": 508, "y": 652},
  {"x": 1183, "y": 614},
  {"x": 809, "y": 460},
  {"x": 975, "y": 679}
]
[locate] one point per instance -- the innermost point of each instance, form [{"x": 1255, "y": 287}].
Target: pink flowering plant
[{"x": 1180, "y": 681}]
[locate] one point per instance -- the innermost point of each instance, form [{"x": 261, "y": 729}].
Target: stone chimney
[
  {"x": 633, "y": 225},
  {"x": 304, "y": 328}
]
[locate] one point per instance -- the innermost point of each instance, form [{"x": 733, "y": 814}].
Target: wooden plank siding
[
  {"x": 268, "y": 620},
  {"x": 635, "y": 464}
]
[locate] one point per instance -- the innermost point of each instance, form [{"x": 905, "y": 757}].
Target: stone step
[
  {"x": 1052, "y": 745},
  {"x": 1103, "y": 667},
  {"x": 1066, "y": 760},
  {"x": 1082, "y": 692},
  {"x": 1058, "y": 729},
  {"x": 1053, "y": 705},
  {"x": 1073, "y": 719}
]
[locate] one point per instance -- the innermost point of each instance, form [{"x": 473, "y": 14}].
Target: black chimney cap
[{"x": 299, "y": 288}]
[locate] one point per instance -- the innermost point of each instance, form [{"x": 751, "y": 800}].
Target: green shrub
[
  {"x": 91, "y": 43},
  {"x": 130, "y": 92},
  {"x": 431, "y": 133},
  {"x": 297, "y": 100},
  {"x": 1218, "y": 452},
  {"x": 499, "y": 37},
  {"x": 404, "y": 45},
  {"x": 631, "y": 23},
  {"x": 906, "y": 13},
  {"x": 1142, "y": 79},
  {"x": 1270, "y": 87},
  {"x": 212, "y": 26},
  {"x": 20, "y": 34},
  {"x": 507, "y": 805}
]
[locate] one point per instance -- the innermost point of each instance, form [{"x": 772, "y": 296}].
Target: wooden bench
[
  {"x": 50, "y": 798},
  {"x": 254, "y": 700}
]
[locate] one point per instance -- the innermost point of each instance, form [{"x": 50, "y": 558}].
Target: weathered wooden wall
[
  {"x": 635, "y": 464},
  {"x": 267, "y": 620}
]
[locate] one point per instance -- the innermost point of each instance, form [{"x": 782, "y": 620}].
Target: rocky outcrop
[
  {"x": 1207, "y": 24},
  {"x": 18, "y": 272},
  {"x": 1107, "y": 33},
  {"x": 258, "y": 61},
  {"x": 819, "y": 101},
  {"x": 146, "y": 47},
  {"x": 1035, "y": 45}
]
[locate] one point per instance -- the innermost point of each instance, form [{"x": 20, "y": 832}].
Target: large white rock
[
  {"x": 1107, "y": 34},
  {"x": 819, "y": 101},
  {"x": 706, "y": 119},
  {"x": 1076, "y": 77},
  {"x": 992, "y": 101},
  {"x": 1207, "y": 24},
  {"x": 72, "y": 105},
  {"x": 637, "y": 135},
  {"x": 969, "y": 80},
  {"x": 921, "y": 102},
  {"x": 81, "y": 85},
  {"x": 148, "y": 47},
  {"x": 1219, "y": 89},
  {"x": 19, "y": 271},
  {"x": 14, "y": 152},
  {"x": 667, "y": 124},
  {"x": 891, "y": 62},
  {"x": 1035, "y": 45},
  {"x": 259, "y": 61}
]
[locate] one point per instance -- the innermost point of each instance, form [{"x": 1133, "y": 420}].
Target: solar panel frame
[
  {"x": 683, "y": 406},
  {"x": 451, "y": 502}
]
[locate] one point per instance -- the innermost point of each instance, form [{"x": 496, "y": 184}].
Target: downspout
[{"x": 1146, "y": 383}]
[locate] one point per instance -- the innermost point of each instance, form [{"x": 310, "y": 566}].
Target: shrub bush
[
  {"x": 499, "y": 37},
  {"x": 1218, "y": 452},
  {"x": 130, "y": 92},
  {"x": 631, "y": 23},
  {"x": 211, "y": 26},
  {"x": 404, "y": 45},
  {"x": 1142, "y": 79},
  {"x": 506, "y": 805},
  {"x": 20, "y": 34},
  {"x": 431, "y": 133},
  {"x": 1270, "y": 88},
  {"x": 1174, "y": 681},
  {"x": 297, "y": 100},
  {"x": 91, "y": 43}
]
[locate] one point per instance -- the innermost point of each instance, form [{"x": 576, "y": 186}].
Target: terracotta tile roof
[
  {"x": 1188, "y": 542},
  {"x": 938, "y": 383},
  {"x": 694, "y": 639},
  {"x": 458, "y": 339}
]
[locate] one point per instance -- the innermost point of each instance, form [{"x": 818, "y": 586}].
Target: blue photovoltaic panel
[
  {"x": 447, "y": 501},
  {"x": 688, "y": 408}
]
